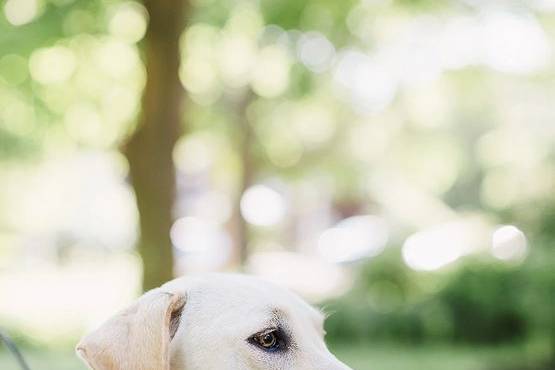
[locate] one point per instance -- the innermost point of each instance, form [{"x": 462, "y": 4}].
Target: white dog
[{"x": 212, "y": 322}]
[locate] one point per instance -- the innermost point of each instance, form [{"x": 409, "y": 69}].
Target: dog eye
[{"x": 269, "y": 340}]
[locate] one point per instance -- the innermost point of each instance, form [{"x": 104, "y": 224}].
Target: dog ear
[{"x": 137, "y": 338}]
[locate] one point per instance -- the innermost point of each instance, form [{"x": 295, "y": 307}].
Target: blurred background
[{"x": 391, "y": 160}]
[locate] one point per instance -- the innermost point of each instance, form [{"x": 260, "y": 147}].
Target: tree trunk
[
  {"x": 149, "y": 150},
  {"x": 239, "y": 227}
]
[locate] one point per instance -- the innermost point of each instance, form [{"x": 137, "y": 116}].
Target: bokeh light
[
  {"x": 354, "y": 238},
  {"x": 129, "y": 21},
  {"x": 205, "y": 245},
  {"x": 20, "y": 12},
  {"x": 514, "y": 43},
  {"x": 52, "y": 65},
  {"x": 262, "y": 206},
  {"x": 509, "y": 243},
  {"x": 368, "y": 85},
  {"x": 390, "y": 160},
  {"x": 439, "y": 246},
  {"x": 289, "y": 270},
  {"x": 315, "y": 51}
]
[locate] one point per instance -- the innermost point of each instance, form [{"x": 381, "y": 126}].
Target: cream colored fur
[{"x": 219, "y": 312}]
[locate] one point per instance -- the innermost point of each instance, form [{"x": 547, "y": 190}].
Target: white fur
[{"x": 220, "y": 313}]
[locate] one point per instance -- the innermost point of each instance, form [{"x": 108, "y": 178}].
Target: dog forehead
[
  {"x": 240, "y": 295},
  {"x": 231, "y": 289}
]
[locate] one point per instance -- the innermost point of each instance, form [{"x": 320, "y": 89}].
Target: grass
[
  {"x": 393, "y": 357},
  {"x": 359, "y": 357},
  {"x": 43, "y": 360}
]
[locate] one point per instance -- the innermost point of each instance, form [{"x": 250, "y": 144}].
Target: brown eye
[
  {"x": 271, "y": 340},
  {"x": 267, "y": 340}
]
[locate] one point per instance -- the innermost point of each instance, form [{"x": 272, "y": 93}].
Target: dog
[{"x": 212, "y": 322}]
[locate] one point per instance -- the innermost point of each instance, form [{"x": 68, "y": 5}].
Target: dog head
[{"x": 213, "y": 322}]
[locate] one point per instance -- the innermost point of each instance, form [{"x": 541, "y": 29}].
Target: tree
[{"x": 149, "y": 150}]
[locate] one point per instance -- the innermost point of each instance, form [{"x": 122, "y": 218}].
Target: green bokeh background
[{"x": 434, "y": 118}]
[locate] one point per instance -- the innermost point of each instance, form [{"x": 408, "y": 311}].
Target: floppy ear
[{"x": 137, "y": 338}]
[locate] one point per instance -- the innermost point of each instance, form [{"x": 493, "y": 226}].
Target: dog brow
[
  {"x": 278, "y": 315},
  {"x": 277, "y": 312}
]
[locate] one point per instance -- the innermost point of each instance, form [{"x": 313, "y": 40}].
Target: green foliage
[
  {"x": 482, "y": 302},
  {"x": 461, "y": 130},
  {"x": 420, "y": 4},
  {"x": 56, "y": 22}
]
